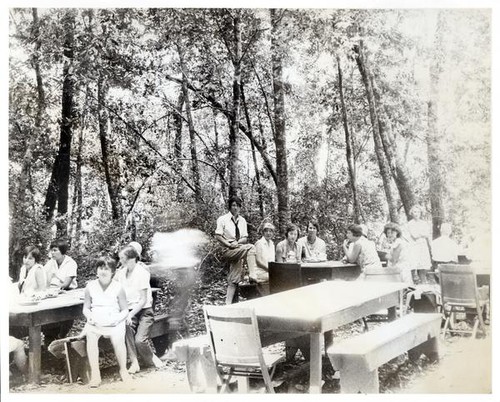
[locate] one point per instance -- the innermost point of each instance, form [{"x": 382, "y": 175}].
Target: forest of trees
[{"x": 126, "y": 122}]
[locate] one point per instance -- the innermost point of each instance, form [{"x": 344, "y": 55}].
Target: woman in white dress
[
  {"x": 418, "y": 235},
  {"x": 105, "y": 308}
]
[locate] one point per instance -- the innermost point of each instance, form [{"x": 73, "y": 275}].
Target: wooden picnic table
[
  {"x": 315, "y": 309},
  {"x": 66, "y": 306}
]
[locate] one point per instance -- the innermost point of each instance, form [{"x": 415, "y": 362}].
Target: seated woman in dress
[
  {"x": 135, "y": 280},
  {"x": 398, "y": 256},
  {"x": 358, "y": 249},
  {"x": 288, "y": 250},
  {"x": 264, "y": 253},
  {"x": 32, "y": 278},
  {"x": 105, "y": 308},
  {"x": 313, "y": 248}
]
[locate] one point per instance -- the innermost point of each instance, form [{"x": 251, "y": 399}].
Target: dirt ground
[{"x": 464, "y": 368}]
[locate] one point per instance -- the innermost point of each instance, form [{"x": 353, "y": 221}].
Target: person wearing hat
[
  {"x": 264, "y": 253},
  {"x": 399, "y": 249}
]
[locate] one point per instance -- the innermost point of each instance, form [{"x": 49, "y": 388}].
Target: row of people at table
[
  {"x": 408, "y": 249},
  {"x": 117, "y": 305}
]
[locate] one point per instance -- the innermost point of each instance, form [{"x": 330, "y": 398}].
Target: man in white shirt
[
  {"x": 231, "y": 233},
  {"x": 265, "y": 253}
]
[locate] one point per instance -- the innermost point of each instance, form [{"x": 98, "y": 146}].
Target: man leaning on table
[
  {"x": 61, "y": 274},
  {"x": 232, "y": 234}
]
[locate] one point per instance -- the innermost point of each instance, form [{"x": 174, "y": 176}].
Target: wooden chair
[
  {"x": 236, "y": 347},
  {"x": 459, "y": 293},
  {"x": 284, "y": 276}
]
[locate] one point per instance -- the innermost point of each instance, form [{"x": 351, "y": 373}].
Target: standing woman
[
  {"x": 135, "y": 281},
  {"x": 418, "y": 235},
  {"x": 32, "y": 278},
  {"x": 288, "y": 250}
]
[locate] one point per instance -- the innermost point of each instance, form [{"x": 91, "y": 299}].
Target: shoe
[
  {"x": 134, "y": 368},
  {"x": 94, "y": 383}
]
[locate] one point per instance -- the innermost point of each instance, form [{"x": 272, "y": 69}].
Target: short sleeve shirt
[
  {"x": 133, "y": 283},
  {"x": 56, "y": 274},
  {"x": 265, "y": 249},
  {"x": 226, "y": 226}
]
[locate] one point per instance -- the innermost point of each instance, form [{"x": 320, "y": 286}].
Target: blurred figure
[
  {"x": 264, "y": 253},
  {"x": 231, "y": 233},
  {"x": 18, "y": 354},
  {"x": 444, "y": 249},
  {"x": 313, "y": 248},
  {"x": 398, "y": 256},
  {"x": 288, "y": 250}
]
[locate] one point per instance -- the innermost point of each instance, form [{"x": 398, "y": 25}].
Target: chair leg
[
  {"x": 243, "y": 385},
  {"x": 267, "y": 380},
  {"x": 68, "y": 363},
  {"x": 474, "y": 329}
]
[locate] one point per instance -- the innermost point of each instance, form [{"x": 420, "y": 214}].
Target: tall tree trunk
[
  {"x": 254, "y": 156},
  {"x": 192, "y": 132},
  {"x": 59, "y": 181},
  {"x": 277, "y": 49},
  {"x": 351, "y": 163},
  {"x": 384, "y": 168},
  {"x": 221, "y": 172},
  {"x": 178, "y": 142},
  {"x": 234, "y": 147},
  {"x": 434, "y": 140},
  {"x": 110, "y": 164}
]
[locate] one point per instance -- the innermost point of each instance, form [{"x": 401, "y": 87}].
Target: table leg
[
  {"x": 35, "y": 351},
  {"x": 315, "y": 374}
]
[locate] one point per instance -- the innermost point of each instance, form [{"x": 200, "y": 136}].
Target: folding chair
[
  {"x": 236, "y": 347},
  {"x": 73, "y": 350},
  {"x": 459, "y": 293}
]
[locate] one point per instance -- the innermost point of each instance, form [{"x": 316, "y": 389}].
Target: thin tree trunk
[
  {"x": 192, "y": 132},
  {"x": 434, "y": 140},
  {"x": 110, "y": 165},
  {"x": 351, "y": 163},
  {"x": 221, "y": 172},
  {"x": 178, "y": 141},
  {"x": 234, "y": 147},
  {"x": 59, "y": 182},
  {"x": 254, "y": 156},
  {"x": 384, "y": 168},
  {"x": 277, "y": 49}
]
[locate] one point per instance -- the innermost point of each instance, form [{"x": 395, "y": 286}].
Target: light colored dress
[
  {"x": 399, "y": 258},
  {"x": 313, "y": 251},
  {"x": 417, "y": 234},
  {"x": 28, "y": 280},
  {"x": 288, "y": 254},
  {"x": 368, "y": 256},
  {"x": 105, "y": 309}
]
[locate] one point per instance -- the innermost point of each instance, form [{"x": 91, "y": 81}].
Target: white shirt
[
  {"x": 56, "y": 274},
  {"x": 136, "y": 281},
  {"x": 227, "y": 228},
  {"x": 315, "y": 251},
  {"x": 265, "y": 249},
  {"x": 444, "y": 249}
]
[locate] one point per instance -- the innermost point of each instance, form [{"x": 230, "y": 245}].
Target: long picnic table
[
  {"x": 316, "y": 271},
  {"x": 315, "y": 309},
  {"x": 65, "y": 306}
]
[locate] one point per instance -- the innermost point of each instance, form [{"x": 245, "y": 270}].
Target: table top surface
[
  {"x": 313, "y": 302},
  {"x": 68, "y": 298},
  {"x": 327, "y": 264}
]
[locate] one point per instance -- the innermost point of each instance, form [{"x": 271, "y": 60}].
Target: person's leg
[
  {"x": 118, "y": 342},
  {"x": 231, "y": 292},
  {"x": 93, "y": 356},
  {"x": 16, "y": 347},
  {"x": 142, "y": 336},
  {"x": 263, "y": 288},
  {"x": 130, "y": 331}
]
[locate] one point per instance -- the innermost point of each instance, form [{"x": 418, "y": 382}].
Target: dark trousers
[{"x": 138, "y": 335}]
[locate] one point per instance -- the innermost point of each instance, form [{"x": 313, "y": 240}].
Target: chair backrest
[
  {"x": 458, "y": 285},
  {"x": 284, "y": 276},
  {"x": 234, "y": 334}
]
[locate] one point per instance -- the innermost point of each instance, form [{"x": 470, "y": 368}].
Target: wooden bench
[
  {"x": 358, "y": 358},
  {"x": 200, "y": 367}
]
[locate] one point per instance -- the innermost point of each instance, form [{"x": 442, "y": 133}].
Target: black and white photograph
[{"x": 244, "y": 199}]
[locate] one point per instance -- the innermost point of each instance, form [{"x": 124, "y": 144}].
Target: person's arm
[
  {"x": 66, "y": 282},
  {"x": 122, "y": 302},
  {"x": 243, "y": 240},
  {"x": 225, "y": 242},
  {"x": 87, "y": 302},
  {"x": 40, "y": 278},
  {"x": 279, "y": 253},
  {"x": 138, "y": 307}
]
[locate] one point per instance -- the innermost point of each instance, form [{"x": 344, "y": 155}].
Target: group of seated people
[
  {"x": 117, "y": 305},
  {"x": 407, "y": 248}
]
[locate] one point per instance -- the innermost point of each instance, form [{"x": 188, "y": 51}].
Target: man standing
[{"x": 231, "y": 233}]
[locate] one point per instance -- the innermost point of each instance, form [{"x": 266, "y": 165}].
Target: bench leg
[
  {"x": 243, "y": 385},
  {"x": 430, "y": 348},
  {"x": 355, "y": 378}
]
